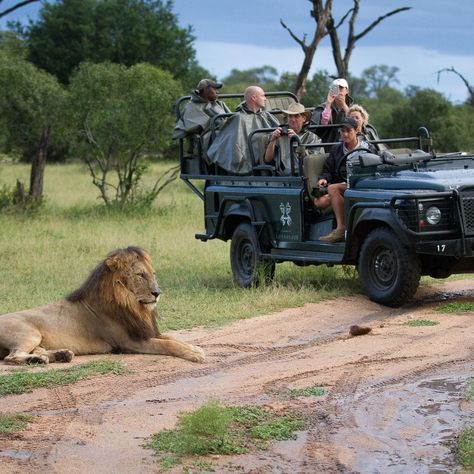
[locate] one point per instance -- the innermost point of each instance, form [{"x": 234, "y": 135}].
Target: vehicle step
[{"x": 306, "y": 256}]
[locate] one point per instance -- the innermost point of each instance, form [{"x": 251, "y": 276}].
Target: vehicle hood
[{"x": 437, "y": 180}]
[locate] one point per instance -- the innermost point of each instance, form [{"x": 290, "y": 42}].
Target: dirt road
[{"x": 394, "y": 401}]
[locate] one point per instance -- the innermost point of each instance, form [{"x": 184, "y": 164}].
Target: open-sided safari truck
[{"x": 408, "y": 211}]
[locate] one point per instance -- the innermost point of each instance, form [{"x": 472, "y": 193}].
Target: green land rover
[{"x": 408, "y": 210}]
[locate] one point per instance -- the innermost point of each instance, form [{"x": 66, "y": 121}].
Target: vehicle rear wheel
[
  {"x": 388, "y": 271},
  {"x": 248, "y": 268}
]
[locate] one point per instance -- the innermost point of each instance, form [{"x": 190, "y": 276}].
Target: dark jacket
[{"x": 334, "y": 169}]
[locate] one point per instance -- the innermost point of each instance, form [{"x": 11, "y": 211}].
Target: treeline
[
  {"x": 96, "y": 80},
  {"x": 393, "y": 112}
]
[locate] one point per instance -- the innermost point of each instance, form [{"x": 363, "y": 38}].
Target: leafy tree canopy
[
  {"x": 68, "y": 32},
  {"x": 30, "y": 99},
  {"x": 120, "y": 118}
]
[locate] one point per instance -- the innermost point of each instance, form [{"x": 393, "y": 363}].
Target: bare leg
[{"x": 336, "y": 196}]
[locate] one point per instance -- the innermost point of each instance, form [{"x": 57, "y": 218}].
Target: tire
[
  {"x": 388, "y": 271},
  {"x": 248, "y": 269}
]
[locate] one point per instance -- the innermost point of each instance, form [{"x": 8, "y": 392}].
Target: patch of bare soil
[{"x": 394, "y": 396}]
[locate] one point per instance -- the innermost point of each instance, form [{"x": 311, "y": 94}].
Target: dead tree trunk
[
  {"x": 38, "y": 165},
  {"x": 320, "y": 13},
  {"x": 342, "y": 61}
]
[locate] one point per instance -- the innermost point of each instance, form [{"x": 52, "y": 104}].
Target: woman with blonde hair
[{"x": 361, "y": 116}]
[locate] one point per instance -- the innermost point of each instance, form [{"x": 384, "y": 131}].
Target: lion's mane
[{"x": 104, "y": 292}]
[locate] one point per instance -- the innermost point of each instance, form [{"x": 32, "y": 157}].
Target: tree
[
  {"x": 120, "y": 118},
  {"x": 320, "y": 13},
  {"x": 342, "y": 62},
  {"x": 14, "y": 7},
  {"x": 126, "y": 32},
  {"x": 30, "y": 100},
  {"x": 379, "y": 77},
  {"x": 469, "y": 87}
]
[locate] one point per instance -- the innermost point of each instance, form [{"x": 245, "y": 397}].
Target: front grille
[{"x": 467, "y": 209}]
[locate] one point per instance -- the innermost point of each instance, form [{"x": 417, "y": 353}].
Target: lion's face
[{"x": 134, "y": 278}]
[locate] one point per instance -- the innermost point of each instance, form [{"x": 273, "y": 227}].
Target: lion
[{"x": 113, "y": 311}]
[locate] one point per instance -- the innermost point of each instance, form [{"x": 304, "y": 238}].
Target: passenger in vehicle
[
  {"x": 333, "y": 110},
  {"x": 334, "y": 176},
  {"x": 361, "y": 116},
  {"x": 230, "y": 150},
  {"x": 198, "y": 112},
  {"x": 278, "y": 149}
]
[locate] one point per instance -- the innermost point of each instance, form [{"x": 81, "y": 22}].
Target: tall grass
[{"x": 45, "y": 255}]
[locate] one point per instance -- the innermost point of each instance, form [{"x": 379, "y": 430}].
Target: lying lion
[{"x": 113, "y": 311}]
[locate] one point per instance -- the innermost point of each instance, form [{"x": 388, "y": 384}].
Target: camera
[
  {"x": 284, "y": 129},
  {"x": 334, "y": 90}
]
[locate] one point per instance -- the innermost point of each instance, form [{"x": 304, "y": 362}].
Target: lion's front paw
[{"x": 197, "y": 354}]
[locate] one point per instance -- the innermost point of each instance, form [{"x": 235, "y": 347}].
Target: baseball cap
[
  {"x": 348, "y": 122},
  {"x": 203, "y": 83},
  {"x": 340, "y": 82}
]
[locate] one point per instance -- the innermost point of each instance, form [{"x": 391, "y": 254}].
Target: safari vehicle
[{"x": 408, "y": 210}]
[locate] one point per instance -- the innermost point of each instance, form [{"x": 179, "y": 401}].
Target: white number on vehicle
[{"x": 441, "y": 247}]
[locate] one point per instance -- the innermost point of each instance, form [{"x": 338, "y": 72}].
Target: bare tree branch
[
  {"x": 378, "y": 20},
  {"x": 15, "y": 7},
  {"x": 302, "y": 42},
  {"x": 470, "y": 89},
  {"x": 320, "y": 13},
  {"x": 342, "y": 62}
]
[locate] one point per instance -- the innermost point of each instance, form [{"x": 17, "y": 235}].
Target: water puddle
[
  {"x": 18, "y": 455},
  {"x": 410, "y": 427}
]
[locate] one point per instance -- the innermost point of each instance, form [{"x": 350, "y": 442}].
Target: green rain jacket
[{"x": 229, "y": 150}]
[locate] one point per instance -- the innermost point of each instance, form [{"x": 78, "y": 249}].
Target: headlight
[{"x": 433, "y": 215}]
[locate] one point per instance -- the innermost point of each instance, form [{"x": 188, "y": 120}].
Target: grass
[
  {"x": 46, "y": 255},
  {"x": 421, "y": 322},
  {"x": 14, "y": 422},
  {"x": 314, "y": 391},
  {"x": 470, "y": 389},
  {"x": 215, "y": 429},
  {"x": 457, "y": 307},
  {"x": 465, "y": 447},
  {"x": 22, "y": 380}
]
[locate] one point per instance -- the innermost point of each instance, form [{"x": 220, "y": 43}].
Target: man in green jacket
[
  {"x": 278, "y": 150},
  {"x": 198, "y": 112}
]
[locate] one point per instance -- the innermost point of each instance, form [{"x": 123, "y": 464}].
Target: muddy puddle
[{"x": 411, "y": 426}]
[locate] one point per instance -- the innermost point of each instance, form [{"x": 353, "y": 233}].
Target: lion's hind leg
[
  {"x": 19, "y": 357},
  {"x": 57, "y": 355}
]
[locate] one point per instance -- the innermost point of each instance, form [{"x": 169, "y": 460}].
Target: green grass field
[{"x": 45, "y": 255}]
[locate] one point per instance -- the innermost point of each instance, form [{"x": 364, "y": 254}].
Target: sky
[{"x": 243, "y": 34}]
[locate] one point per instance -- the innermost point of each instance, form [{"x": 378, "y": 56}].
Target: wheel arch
[{"x": 367, "y": 221}]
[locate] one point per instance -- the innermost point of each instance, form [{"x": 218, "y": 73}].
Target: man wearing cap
[
  {"x": 334, "y": 109},
  {"x": 198, "y": 112},
  {"x": 278, "y": 149},
  {"x": 334, "y": 176}
]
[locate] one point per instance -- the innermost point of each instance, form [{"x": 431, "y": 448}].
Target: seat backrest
[
  {"x": 312, "y": 167},
  {"x": 280, "y": 103}
]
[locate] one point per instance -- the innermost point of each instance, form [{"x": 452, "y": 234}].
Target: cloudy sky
[{"x": 242, "y": 34}]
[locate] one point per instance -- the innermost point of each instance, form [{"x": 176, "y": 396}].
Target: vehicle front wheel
[
  {"x": 248, "y": 268},
  {"x": 389, "y": 272}
]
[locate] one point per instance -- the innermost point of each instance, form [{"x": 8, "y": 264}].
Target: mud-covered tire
[
  {"x": 248, "y": 268},
  {"x": 389, "y": 272}
]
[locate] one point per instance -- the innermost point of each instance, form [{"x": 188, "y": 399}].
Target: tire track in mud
[{"x": 52, "y": 417}]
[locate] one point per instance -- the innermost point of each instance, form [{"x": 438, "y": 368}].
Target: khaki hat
[
  {"x": 296, "y": 109},
  {"x": 203, "y": 83}
]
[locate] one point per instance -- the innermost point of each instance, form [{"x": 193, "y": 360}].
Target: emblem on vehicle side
[{"x": 285, "y": 214}]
